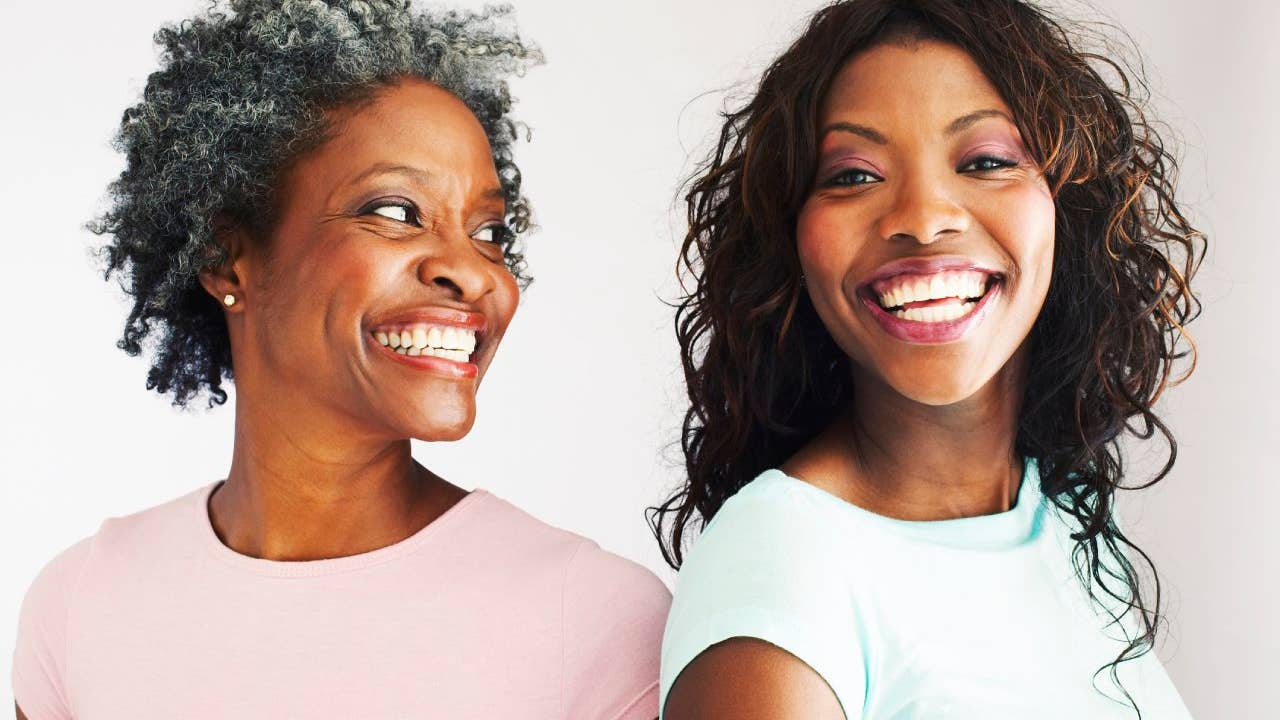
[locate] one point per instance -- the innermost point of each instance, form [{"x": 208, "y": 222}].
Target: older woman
[
  {"x": 940, "y": 270},
  {"x": 320, "y": 201}
]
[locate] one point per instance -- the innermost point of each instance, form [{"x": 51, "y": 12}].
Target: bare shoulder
[{"x": 749, "y": 679}]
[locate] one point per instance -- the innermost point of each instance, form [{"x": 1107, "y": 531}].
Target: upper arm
[
  {"x": 749, "y": 679},
  {"x": 764, "y": 569},
  {"x": 19, "y": 711}
]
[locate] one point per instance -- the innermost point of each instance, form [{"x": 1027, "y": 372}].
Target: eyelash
[
  {"x": 838, "y": 180},
  {"x": 502, "y": 234},
  {"x": 1000, "y": 163},
  {"x": 410, "y": 211}
]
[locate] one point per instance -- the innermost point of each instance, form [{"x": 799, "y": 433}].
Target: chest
[
  {"x": 1002, "y": 639},
  {"x": 306, "y": 651}
]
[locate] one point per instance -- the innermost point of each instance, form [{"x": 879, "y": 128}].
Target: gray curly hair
[{"x": 242, "y": 91}]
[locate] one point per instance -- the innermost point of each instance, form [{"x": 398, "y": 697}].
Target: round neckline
[
  {"x": 326, "y": 566},
  {"x": 1005, "y": 529}
]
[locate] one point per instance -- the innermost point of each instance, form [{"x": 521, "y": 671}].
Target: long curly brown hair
[{"x": 764, "y": 376}]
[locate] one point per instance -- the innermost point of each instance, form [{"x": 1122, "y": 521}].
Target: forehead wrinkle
[{"x": 416, "y": 174}]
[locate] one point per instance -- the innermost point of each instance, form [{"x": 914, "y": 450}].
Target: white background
[{"x": 579, "y": 415}]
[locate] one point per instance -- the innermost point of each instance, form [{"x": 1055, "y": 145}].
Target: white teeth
[
  {"x": 937, "y": 313},
  {"x": 964, "y": 284},
  {"x": 446, "y": 341}
]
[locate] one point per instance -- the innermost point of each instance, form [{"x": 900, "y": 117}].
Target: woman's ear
[{"x": 223, "y": 280}]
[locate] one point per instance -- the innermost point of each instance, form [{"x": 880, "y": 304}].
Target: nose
[
  {"x": 923, "y": 211},
  {"x": 454, "y": 265}
]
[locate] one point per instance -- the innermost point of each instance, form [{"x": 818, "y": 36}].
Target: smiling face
[
  {"x": 927, "y": 239},
  {"x": 382, "y": 294}
]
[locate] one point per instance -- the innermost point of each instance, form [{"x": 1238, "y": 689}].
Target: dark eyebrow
[
  {"x": 866, "y": 132},
  {"x": 965, "y": 121}
]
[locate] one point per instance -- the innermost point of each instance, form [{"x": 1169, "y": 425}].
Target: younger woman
[{"x": 940, "y": 270}]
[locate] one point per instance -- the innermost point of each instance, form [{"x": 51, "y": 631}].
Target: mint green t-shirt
[{"x": 978, "y": 617}]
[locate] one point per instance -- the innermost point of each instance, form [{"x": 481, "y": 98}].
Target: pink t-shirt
[{"x": 485, "y": 613}]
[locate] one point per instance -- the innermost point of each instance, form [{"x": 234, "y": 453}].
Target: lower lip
[
  {"x": 430, "y": 363},
  {"x": 932, "y": 333}
]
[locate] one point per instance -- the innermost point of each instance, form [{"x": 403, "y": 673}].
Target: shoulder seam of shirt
[{"x": 564, "y": 589}]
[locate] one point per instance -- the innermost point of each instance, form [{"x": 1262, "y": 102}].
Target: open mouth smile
[
  {"x": 430, "y": 344},
  {"x": 933, "y": 307},
  {"x": 446, "y": 341}
]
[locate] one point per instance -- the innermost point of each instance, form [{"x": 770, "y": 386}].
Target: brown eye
[
  {"x": 852, "y": 177},
  {"x": 987, "y": 163}
]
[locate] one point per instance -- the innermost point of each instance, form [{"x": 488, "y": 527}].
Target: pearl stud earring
[{"x": 229, "y": 300}]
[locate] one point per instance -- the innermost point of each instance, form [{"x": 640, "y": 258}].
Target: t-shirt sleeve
[
  {"x": 39, "y": 658},
  {"x": 614, "y": 611},
  {"x": 761, "y": 570}
]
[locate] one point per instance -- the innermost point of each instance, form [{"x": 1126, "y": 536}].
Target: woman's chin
[
  {"x": 937, "y": 387},
  {"x": 438, "y": 424}
]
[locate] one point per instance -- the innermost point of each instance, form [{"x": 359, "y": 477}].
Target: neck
[
  {"x": 301, "y": 488},
  {"x": 909, "y": 460}
]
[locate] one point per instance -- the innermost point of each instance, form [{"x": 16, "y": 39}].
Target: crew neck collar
[
  {"x": 1010, "y": 528},
  {"x": 327, "y": 566}
]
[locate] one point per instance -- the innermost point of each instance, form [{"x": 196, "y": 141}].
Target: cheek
[
  {"x": 824, "y": 242},
  {"x": 323, "y": 293},
  {"x": 506, "y": 297},
  {"x": 346, "y": 282},
  {"x": 1022, "y": 220},
  {"x": 296, "y": 287}
]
